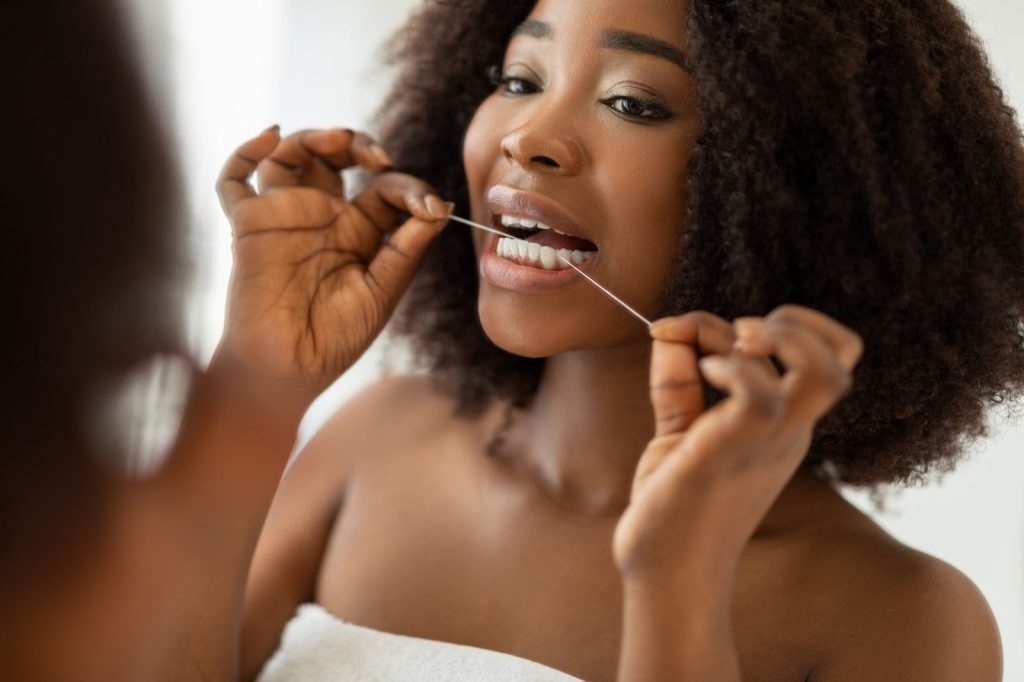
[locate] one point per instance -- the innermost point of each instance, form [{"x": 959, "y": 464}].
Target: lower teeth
[{"x": 529, "y": 253}]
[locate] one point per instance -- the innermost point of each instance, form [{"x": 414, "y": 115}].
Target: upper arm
[
  {"x": 291, "y": 546},
  {"x": 933, "y": 624}
]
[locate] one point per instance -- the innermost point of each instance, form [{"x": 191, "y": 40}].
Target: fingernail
[
  {"x": 711, "y": 363},
  {"x": 661, "y": 324},
  {"x": 436, "y": 207},
  {"x": 276, "y": 129},
  {"x": 444, "y": 221},
  {"x": 381, "y": 154}
]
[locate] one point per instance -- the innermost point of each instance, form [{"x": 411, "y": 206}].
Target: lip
[
  {"x": 504, "y": 274},
  {"x": 505, "y": 200}
]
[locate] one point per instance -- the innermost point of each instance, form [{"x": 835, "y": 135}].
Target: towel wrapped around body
[{"x": 320, "y": 647}]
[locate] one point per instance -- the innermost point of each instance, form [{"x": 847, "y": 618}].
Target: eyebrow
[{"x": 637, "y": 43}]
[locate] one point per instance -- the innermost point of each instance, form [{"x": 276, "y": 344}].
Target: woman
[{"x": 791, "y": 184}]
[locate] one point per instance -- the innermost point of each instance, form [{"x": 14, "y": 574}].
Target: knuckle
[
  {"x": 709, "y": 322},
  {"x": 699, "y": 317},
  {"x": 242, "y": 214},
  {"x": 835, "y": 377},
  {"x": 674, "y": 421},
  {"x": 844, "y": 383},
  {"x": 829, "y": 383},
  {"x": 361, "y": 138},
  {"x": 784, "y": 312},
  {"x": 390, "y": 245},
  {"x": 856, "y": 343},
  {"x": 784, "y": 330}
]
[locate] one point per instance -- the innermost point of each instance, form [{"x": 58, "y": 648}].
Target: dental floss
[
  {"x": 613, "y": 296},
  {"x": 567, "y": 261},
  {"x": 479, "y": 226}
]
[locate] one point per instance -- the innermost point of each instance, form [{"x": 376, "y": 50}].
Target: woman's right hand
[{"x": 316, "y": 277}]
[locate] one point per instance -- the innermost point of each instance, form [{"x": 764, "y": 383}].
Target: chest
[{"x": 442, "y": 555}]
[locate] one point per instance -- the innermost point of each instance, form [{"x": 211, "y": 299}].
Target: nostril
[{"x": 546, "y": 161}]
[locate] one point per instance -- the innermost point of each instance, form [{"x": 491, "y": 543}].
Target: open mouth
[{"x": 538, "y": 245}]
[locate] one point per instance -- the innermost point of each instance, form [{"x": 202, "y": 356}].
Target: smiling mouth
[{"x": 535, "y": 244}]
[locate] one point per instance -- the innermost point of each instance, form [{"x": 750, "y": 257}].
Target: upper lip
[{"x": 505, "y": 200}]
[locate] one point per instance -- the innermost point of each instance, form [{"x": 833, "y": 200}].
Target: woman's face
[{"x": 589, "y": 134}]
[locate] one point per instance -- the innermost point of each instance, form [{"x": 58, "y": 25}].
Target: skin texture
[{"x": 628, "y": 531}]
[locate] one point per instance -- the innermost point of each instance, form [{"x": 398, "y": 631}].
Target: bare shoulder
[
  {"x": 292, "y": 544},
  {"x": 393, "y": 407},
  {"x": 893, "y": 612}
]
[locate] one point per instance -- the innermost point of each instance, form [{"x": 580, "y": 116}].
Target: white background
[{"x": 226, "y": 69}]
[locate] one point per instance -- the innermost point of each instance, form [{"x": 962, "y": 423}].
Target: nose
[{"x": 534, "y": 147}]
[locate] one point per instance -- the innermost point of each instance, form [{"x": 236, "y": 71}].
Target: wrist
[
  {"x": 282, "y": 400},
  {"x": 702, "y": 590},
  {"x": 677, "y": 627},
  {"x": 705, "y": 561}
]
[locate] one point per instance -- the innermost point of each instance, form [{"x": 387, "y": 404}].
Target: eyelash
[{"x": 645, "y": 110}]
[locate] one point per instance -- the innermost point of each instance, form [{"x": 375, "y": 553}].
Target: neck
[{"x": 583, "y": 434}]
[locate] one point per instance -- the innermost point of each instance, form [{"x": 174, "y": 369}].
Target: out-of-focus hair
[{"x": 91, "y": 264}]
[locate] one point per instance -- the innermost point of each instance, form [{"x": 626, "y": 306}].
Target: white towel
[{"x": 320, "y": 647}]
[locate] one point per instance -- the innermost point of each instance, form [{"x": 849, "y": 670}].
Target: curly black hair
[{"x": 858, "y": 158}]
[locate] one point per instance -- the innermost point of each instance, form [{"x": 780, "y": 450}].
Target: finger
[
  {"x": 341, "y": 148},
  {"x": 390, "y": 195},
  {"x": 750, "y": 337},
  {"x": 753, "y": 387},
  {"x": 233, "y": 183},
  {"x": 707, "y": 332},
  {"x": 308, "y": 158},
  {"x": 369, "y": 154},
  {"x": 814, "y": 378},
  {"x": 845, "y": 343},
  {"x": 392, "y": 269},
  {"x": 677, "y": 392}
]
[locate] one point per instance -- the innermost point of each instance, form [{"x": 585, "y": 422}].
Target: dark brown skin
[{"x": 630, "y": 534}]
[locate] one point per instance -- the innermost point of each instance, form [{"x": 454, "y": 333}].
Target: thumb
[
  {"x": 677, "y": 391},
  {"x": 401, "y": 254}
]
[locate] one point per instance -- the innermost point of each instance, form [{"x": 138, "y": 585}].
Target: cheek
[
  {"x": 646, "y": 201},
  {"x": 480, "y": 150}
]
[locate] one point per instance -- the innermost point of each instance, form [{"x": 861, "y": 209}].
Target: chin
[
  {"x": 532, "y": 327},
  {"x": 524, "y": 328}
]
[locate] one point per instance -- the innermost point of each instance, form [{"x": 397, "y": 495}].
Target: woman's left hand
[{"x": 708, "y": 477}]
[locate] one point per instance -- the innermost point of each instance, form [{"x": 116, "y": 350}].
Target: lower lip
[{"x": 508, "y": 275}]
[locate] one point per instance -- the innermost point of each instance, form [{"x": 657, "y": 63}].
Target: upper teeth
[
  {"x": 512, "y": 221},
  {"x": 534, "y": 254}
]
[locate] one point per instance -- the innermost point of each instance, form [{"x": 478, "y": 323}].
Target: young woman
[{"x": 790, "y": 186}]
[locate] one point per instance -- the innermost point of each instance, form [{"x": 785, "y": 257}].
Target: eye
[
  {"x": 511, "y": 85},
  {"x": 518, "y": 86},
  {"x": 637, "y": 108}
]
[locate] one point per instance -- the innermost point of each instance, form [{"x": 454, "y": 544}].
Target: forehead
[{"x": 582, "y": 19}]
